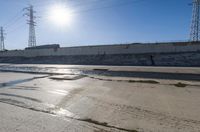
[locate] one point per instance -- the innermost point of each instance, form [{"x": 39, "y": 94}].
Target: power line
[
  {"x": 16, "y": 28},
  {"x": 8, "y": 26},
  {"x": 30, "y": 13},
  {"x": 79, "y": 4},
  {"x": 110, "y": 6},
  {"x": 13, "y": 19}
]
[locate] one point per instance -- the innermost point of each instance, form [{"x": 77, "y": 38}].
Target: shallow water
[{"x": 40, "y": 69}]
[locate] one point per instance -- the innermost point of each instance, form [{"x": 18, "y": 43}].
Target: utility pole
[
  {"x": 195, "y": 26},
  {"x": 2, "y": 38},
  {"x": 31, "y": 22}
]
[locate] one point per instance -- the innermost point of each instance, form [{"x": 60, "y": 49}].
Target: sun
[{"x": 60, "y": 15}]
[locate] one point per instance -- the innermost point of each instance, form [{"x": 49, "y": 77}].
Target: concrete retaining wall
[
  {"x": 108, "y": 49},
  {"x": 166, "y": 54}
]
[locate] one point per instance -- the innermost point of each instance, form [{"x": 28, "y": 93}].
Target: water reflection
[
  {"x": 11, "y": 83},
  {"x": 40, "y": 70},
  {"x": 64, "y": 112},
  {"x": 60, "y": 92},
  {"x": 103, "y": 72},
  {"x": 59, "y": 111}
]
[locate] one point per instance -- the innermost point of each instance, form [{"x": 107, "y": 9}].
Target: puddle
[
  {"x": 12, "y": 83},
  {"x": 63, "y": 112},
  {"x": 60, "y": 92},
  {"x": 130, "y": 81},
  {"x": 38, "y": 70}
]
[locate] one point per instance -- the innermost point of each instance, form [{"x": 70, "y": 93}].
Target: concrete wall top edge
[{"x": 135, "y": 48}]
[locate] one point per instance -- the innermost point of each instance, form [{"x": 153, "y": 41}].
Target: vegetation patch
[
  {"x": 100, "y": 69},
  {"x": 105, "y": 124},
  {"x": 95, "y": 122},
  {"x": 67, "y": 78},
  {"x": 101, "y": 130},
  {"x": 60, "y": 79},
  {"x": 143, "y": 81},
  {"x": 180, "y": 85}
]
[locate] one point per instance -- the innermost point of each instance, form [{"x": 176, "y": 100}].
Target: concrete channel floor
[{"x": 84, "y": 102}]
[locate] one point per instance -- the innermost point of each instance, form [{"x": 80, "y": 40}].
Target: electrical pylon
[
  {"x": 2, "y": 38},
  {"x": 195, "y": 26},
  {"x": 31, "y": 22}
]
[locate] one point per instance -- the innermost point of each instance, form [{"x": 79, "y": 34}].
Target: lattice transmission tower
[
  {"x": 31, "y": 22},
  {"x": 195, "y": 26},
  {"x": 2, "y": 38}
]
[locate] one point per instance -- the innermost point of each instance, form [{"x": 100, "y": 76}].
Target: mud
[{"x": 105, "y": 124}]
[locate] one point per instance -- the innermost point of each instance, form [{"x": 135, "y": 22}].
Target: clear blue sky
[{"x": 99, "y": 22}]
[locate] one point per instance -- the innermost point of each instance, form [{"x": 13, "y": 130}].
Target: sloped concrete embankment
[{"x": 167, "y": 59}]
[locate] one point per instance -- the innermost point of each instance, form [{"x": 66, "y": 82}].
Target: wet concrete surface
[{"x": 62, "y": 98}]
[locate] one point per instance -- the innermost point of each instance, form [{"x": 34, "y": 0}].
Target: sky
[{"x": 97, "y": 22}]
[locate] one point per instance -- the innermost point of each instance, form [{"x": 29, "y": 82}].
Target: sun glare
[{"x": 60, "y": 15}]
